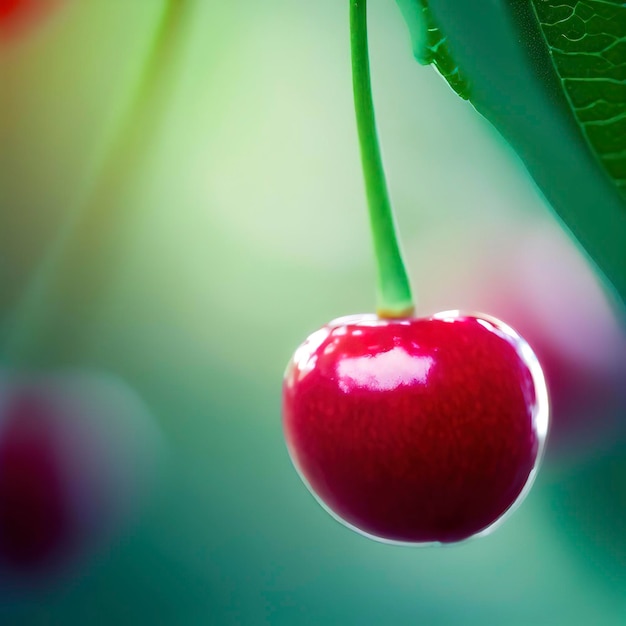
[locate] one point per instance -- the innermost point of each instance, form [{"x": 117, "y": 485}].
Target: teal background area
[{"x": 243, "y": 231}]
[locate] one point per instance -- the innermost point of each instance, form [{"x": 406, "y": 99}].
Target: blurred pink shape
[{"x": 532, "y": 277}]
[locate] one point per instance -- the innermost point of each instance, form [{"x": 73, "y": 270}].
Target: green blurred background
[{"x": 242, "y": 229}]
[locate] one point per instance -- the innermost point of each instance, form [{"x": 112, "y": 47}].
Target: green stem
[
  {"x": 394, "y": 291},
  {"x": 67, "y": 289}
]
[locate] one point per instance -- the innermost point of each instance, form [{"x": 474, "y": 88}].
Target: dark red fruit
[
  {"x": 75, "y": 452},
  {"x": 35, "y": 519},
  {"x": 416, "y": 430}
]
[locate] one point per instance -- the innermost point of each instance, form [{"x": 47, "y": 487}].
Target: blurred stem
[
  {"x": 394, "y": 291},
  {"x": 68, "y": 285}
]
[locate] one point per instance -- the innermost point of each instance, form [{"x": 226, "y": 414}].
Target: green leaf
[
  {"x": 551, "y": 76},
  {"x": 587, "y": 43},
  {"x": 430, "y": 45}
]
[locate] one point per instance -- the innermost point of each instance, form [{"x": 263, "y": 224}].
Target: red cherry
[{"x": 416, "y": 430}]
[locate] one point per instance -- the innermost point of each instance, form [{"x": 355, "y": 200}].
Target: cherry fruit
[
  {"x": 411, "y": 430},
  {"x": 78, "y": 452},
  {"x": 416, "y": 430}
]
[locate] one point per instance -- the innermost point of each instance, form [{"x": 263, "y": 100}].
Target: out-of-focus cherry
[{"x": 77, "y": 452}]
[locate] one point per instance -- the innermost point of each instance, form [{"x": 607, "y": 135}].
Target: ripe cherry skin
[{"x": 416, "y": 430}]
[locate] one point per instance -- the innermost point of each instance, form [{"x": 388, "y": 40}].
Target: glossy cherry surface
[{"x": 416, "y": 430}]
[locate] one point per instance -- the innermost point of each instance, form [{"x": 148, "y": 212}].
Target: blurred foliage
[{"x": 549, "y": 75}]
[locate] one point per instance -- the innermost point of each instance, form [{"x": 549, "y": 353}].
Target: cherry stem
[
  {"x": 73, "y": 274},
  {"x": 394, "y": 291}
]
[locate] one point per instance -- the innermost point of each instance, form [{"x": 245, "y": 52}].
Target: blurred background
[{"x": 140, "y": 404}]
